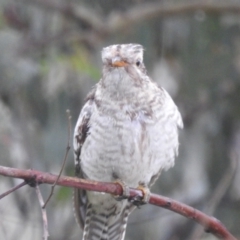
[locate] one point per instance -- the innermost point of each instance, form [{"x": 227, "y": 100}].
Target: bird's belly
[{"x": 130, "y": 151}]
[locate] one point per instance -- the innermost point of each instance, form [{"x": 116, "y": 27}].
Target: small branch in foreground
[
  {"x": 210, "y": 224},
  {"x": 13, "y": 189},
  {"x": 44, "y": 213},
  {"x": 65, "y": 157}
]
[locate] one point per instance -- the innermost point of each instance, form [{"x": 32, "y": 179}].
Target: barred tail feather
[{"x": 105, "y": 224}]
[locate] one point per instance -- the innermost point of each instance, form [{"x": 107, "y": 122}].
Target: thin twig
[
  {"x": 65, "y": 157},
  {"x": 13, "y": 189},
  {"x": 44, "y": 213},
  {"x": 210, "y": 224}
]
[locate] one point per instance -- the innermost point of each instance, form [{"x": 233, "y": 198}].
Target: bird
[{"x": 127, "y": 131}]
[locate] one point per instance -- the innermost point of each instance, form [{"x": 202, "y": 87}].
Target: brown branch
[
  {"x": 210, "y": 224},
  {"x": 32, "y": 177}
]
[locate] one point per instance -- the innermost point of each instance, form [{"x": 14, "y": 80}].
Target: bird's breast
[{"x": 127, "y": 145}]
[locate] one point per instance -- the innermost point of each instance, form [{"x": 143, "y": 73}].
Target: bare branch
[
  {"x": 33, "y": 176},
  {"x": 13, "y": 189},
  {"x": 210, "y": 224},
  {"x": 99, "y": 27},
  {"x": 44, "y": 213},
  {"x": 147, "y": 11},
  {"x": 138, "y": 13},
  {"x": 65, "y": 157},
  {"x": 76, "y": 12}
]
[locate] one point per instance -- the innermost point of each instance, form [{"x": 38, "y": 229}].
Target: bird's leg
[
  {"x": 146, "y": 192},
  {"x": 125, "y": 190},
  {"x": 137, "y": 200}
]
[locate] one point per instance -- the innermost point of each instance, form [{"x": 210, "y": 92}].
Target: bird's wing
[
  {"x": 80, "y": 135},
  {"x": 175, "y": 115},
  {"x": 174, "y": 118}
]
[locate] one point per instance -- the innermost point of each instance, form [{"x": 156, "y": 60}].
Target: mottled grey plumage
[{"x": 126, "y": 130}]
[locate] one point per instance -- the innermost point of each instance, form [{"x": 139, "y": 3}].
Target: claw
[
  {"x": 138, "y": 201},
  {"x": 146, "y": 193},
  {"x": 125, "y": 190}
]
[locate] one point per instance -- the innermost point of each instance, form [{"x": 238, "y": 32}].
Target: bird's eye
[{"x": 138, "y": 63}]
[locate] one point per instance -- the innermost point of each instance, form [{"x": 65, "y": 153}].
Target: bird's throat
[{"x": 119, "y": 84}]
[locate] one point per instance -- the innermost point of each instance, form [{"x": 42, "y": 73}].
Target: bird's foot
[
  {"x": 137, "y": 200},
  {"x": 125, "y": 190}
]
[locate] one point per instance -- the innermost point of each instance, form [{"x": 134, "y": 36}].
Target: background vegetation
[{"x": 49, "y": 60}]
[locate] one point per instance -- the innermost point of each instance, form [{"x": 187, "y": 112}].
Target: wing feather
[{"x": 80, "y": 134}]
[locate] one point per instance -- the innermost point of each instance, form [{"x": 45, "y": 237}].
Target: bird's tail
[{"x": 108, "y": 223}]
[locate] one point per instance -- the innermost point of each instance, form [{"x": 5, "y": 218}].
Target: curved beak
[{"x": 118, "y": 62}]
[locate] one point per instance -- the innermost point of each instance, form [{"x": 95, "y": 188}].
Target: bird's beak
[{"x": 118, "y": 62}]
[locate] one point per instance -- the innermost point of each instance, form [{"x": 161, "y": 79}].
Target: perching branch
[{"x": 210, "y": 224}]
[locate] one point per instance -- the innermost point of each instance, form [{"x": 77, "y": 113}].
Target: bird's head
[
  {"x": 123, "y": 55},
  {"x": 123, "y": 70}
]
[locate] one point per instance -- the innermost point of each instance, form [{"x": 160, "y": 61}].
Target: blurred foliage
[
  {"x": 81, "y": 62},
  {"x": 63, "y": 195}
]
